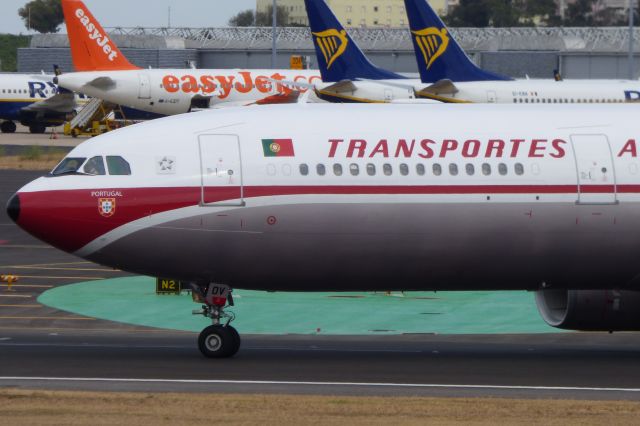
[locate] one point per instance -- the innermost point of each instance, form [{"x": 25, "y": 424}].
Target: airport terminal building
[{"x": 518, "y": 52}]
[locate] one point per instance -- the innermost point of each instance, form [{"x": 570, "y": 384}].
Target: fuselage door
[
  {"x": 388, "y": 94},
  {"x": 594, "y": 165},
  {"x": 144, "y": 89},
  {"x": 221, "y": 170},
  {"x": 491, "y": 96}
]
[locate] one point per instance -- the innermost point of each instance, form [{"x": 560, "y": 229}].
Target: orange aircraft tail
[{"x": 91, "y": 47}]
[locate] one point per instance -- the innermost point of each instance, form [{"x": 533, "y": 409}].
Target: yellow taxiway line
[
  {"x": 21, "y": 306},
  {"x": 48, "y": 264},
  {"x": 48, "y": 318},
  {"x": 61, "y": 269},
  {"x": 59, "y": 278},
  {"x": 26, "y": 285}
]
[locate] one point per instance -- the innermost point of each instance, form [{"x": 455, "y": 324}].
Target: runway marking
[
  {"x": 15, "y": 295},
  {"x": 50, "y": 264},
  {"x": 26, "y": 246},
  {"x": 49, "y": 318},
  {"x": 37, "y": 277},
  {"x": 61, "y": 269},
  {"x": 321, "y": 384},
  {"x": 125, "y": 328},
  {"x": 26, "y": 285},
  {"x": 21, "y": 306}
]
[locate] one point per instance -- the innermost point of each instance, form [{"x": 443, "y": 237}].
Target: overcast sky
[{"x": 140, "y": 13}]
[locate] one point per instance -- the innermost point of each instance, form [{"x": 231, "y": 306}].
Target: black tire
[
  {"x": 37, "y": 128},
  {"x": 217, "y": 341},
  {"x": 236, "y": 338},
  {"x": 8, "y": 127}
]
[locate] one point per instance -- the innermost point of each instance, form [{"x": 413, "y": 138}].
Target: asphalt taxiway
[
  {"x": 43, "y": 347},
  {"x": 575, "y": 366}
]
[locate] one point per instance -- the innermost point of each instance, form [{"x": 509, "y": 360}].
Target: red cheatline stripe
[{"x": 78, "y": 221}]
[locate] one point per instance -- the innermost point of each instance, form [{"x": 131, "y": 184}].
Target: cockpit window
[
  {"x": 68, "y": 166},
  {"x": 95, "y": 166},
  {"x": 118, "y": 165}
]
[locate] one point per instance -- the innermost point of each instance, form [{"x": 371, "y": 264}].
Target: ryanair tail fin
[
  {"x": 439, "y": 56},
  {"x": 91, "y": 47},
  {"x": 339, "y": 58}
]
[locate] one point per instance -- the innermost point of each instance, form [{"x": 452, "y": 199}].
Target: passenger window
[
  {"x": 502, "y": 169},
  {"x": 371, "y": 169},
  {"x": 519, "y": 168},
  {"x": 404, "y": 169},
  {"x": 95, "y": 166},
  {"x": 337, "y": 169},
  {"x": 437, "y": 169},
  {"x": 486, "y": 169},
  {"x": 321, "y": 169},
  {"x": 68, "y": 166},
  {"x": 387, "y": 169},
  {"x": 420, "y": 170},
  {"x": 453, "y": 169},
  {"x": 471, "y": 170},
  {"x": 354, "y": 169},
  {"x": 118, "y": 165},
  {"x": 304, "y": 169}
]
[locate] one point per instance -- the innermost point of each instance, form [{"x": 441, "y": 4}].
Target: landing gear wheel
[
  {"x": 8, "y": 127},
  {"x": 218, "y": 341},
  {"x": 37, "y": 128}
]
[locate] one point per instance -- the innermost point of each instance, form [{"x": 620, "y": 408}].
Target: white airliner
[
  {"x": 447, "y": 74},
  {"x": 105, "y": 73},
  {"x": 360, "y": 198},
  {"x": 34, "y": 101}
]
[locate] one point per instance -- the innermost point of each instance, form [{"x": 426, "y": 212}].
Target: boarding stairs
[{"x": 95, "y": 117}]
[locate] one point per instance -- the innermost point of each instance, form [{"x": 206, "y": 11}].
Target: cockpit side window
[
  {"x": 95, "y": 166},
  {"x": 118, "y": 165},
  {"x": 69, "y": 165}
]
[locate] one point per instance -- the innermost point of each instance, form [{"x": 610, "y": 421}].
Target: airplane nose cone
[{"x": 13, "y": 207}]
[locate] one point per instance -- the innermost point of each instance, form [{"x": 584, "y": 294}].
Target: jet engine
[{"x": 590, "y": 310}]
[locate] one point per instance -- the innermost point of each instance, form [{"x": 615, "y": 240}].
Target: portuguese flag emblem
[{"x": 277, "y": 147}]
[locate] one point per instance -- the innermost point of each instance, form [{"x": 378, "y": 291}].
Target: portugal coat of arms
[{"x": 106, "y": 206}]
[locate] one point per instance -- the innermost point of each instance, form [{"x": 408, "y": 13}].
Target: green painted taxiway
[{"x": 132, "y": 300}]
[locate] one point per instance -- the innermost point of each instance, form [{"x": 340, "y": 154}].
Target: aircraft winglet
[{"x": 91, "y": 47}]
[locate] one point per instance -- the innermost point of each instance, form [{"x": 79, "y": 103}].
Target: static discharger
[{"x": 9, "y": 279}]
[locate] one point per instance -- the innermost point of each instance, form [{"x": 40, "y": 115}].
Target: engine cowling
[{"x": 590, "y": 310}]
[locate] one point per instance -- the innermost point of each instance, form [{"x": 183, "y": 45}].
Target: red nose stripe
[{"x": 71, "y": 219}]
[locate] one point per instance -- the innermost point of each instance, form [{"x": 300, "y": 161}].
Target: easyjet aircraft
[
  {"x": 361, "y": 198},
  {"x": 447, "y": 74},
  {"x": 105, "y": 73}
]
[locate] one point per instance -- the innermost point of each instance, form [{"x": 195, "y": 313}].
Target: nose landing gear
[{"x": 217, "y": 340}]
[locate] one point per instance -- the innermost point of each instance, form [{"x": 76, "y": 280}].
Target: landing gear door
[
  {"x": 144, "y": 89},
  {"x": 594, "y": 165},
  {"x": 221, "y": 170}
]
